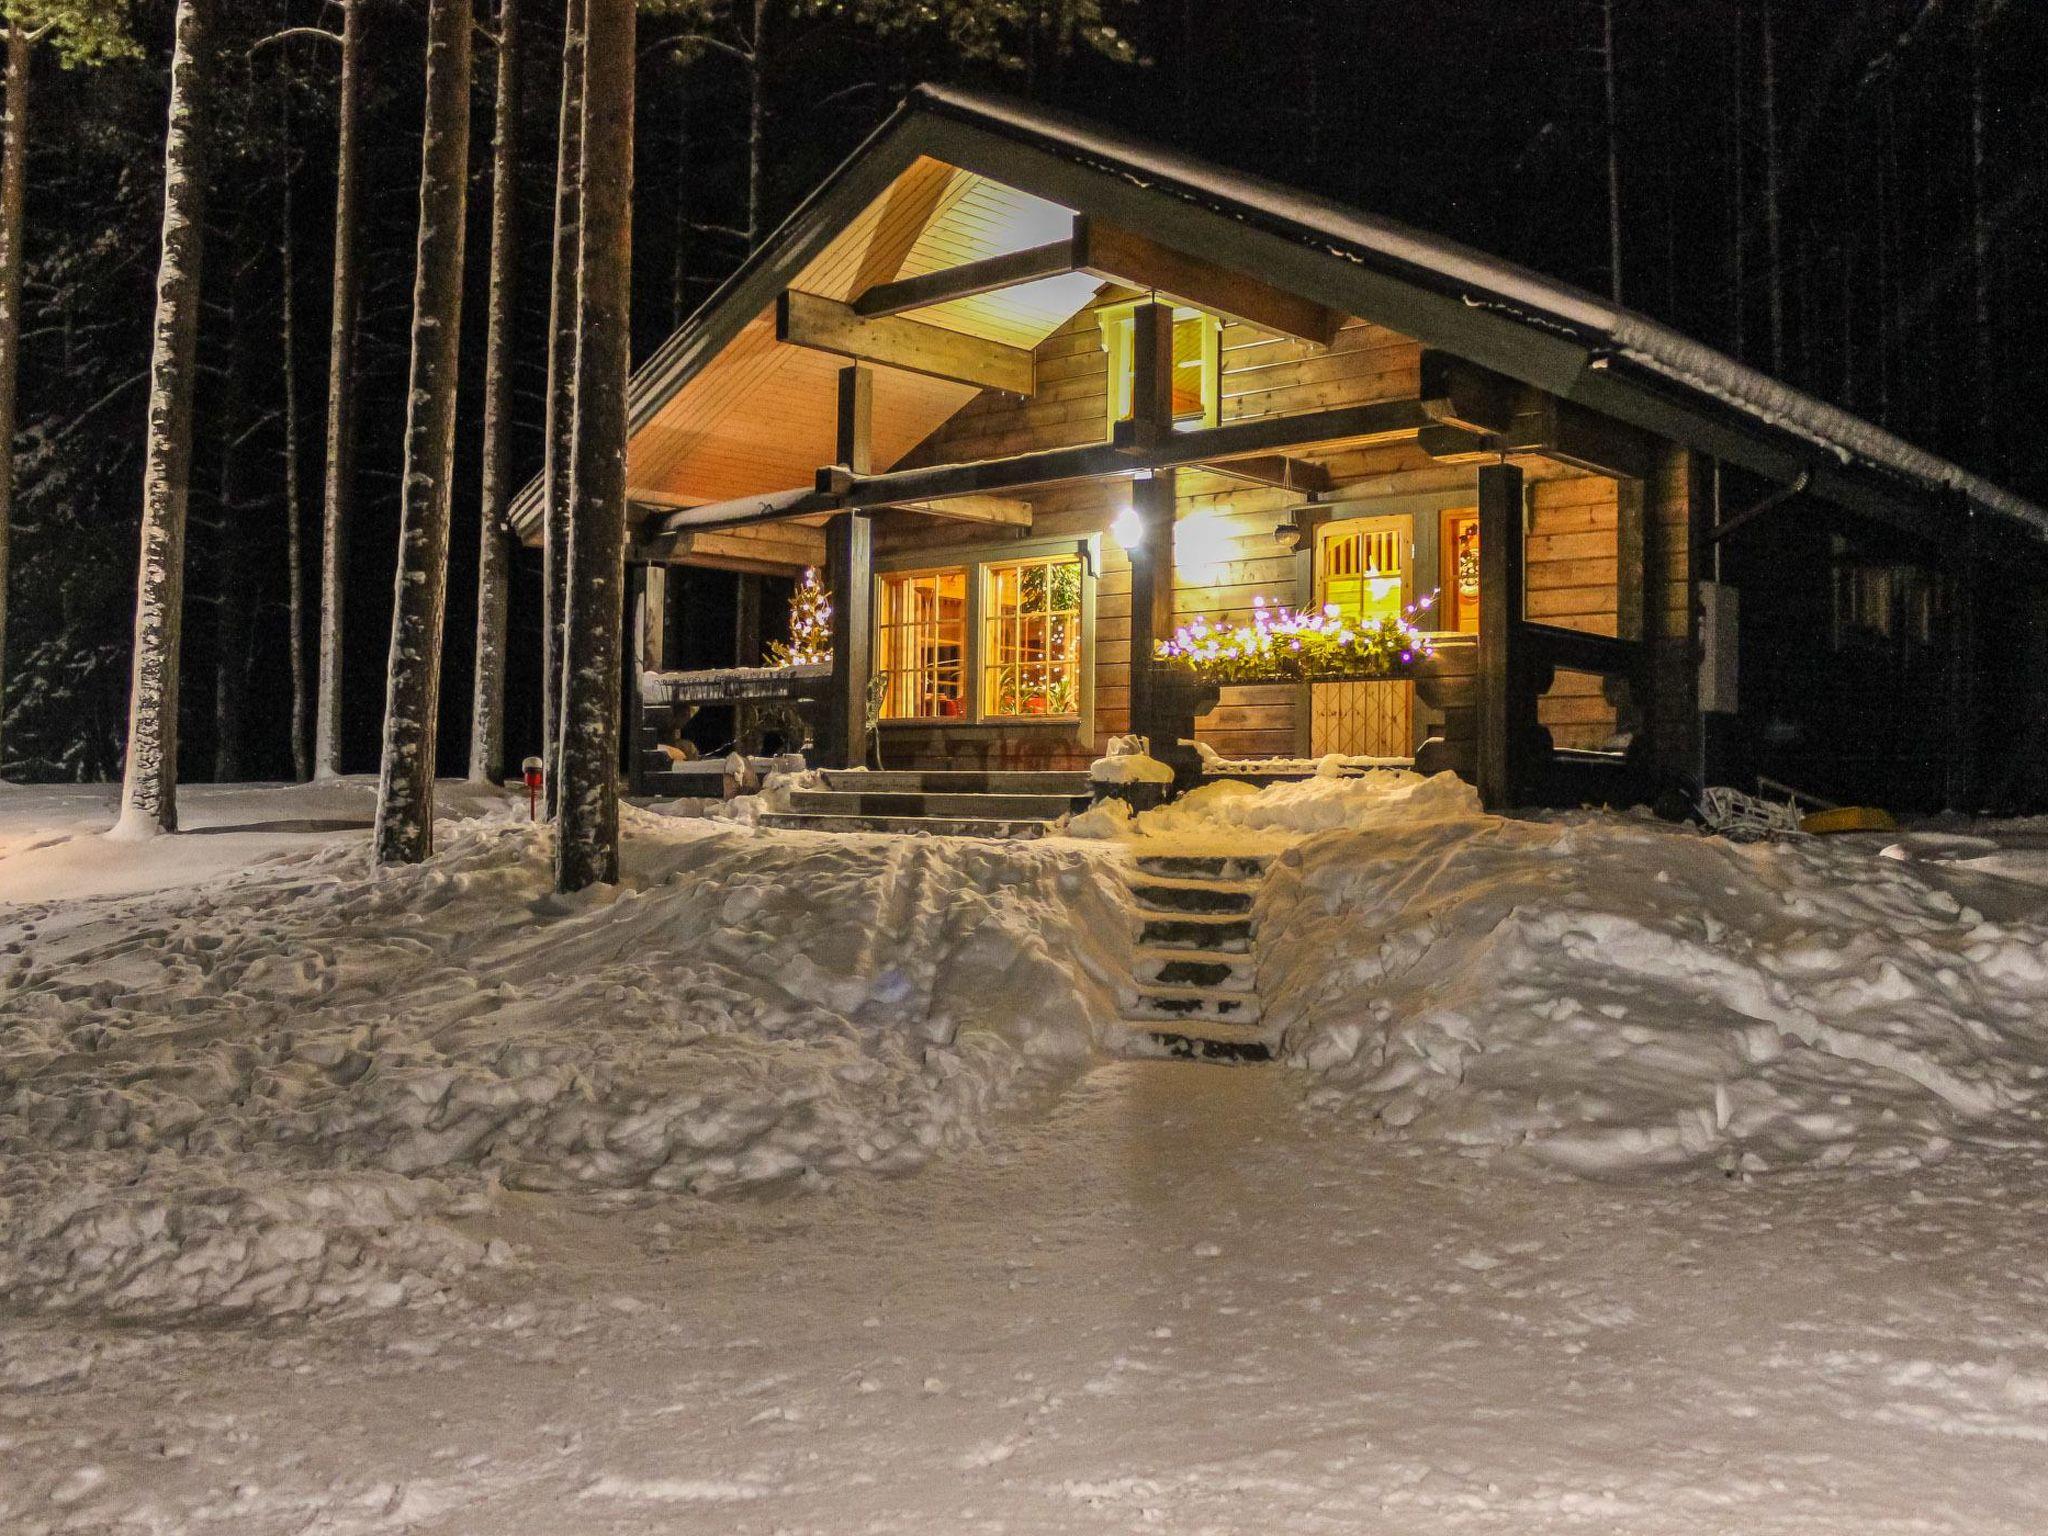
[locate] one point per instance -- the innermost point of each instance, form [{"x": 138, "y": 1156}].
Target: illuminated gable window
[{"x": 1197, "y": 365}]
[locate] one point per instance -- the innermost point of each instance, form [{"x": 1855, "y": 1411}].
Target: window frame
[
  {"x": 1118, "y": 327},
  {"x": 975, "y": 561}
]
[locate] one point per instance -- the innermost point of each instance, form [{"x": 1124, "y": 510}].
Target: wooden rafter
[
  {"x": 1053, "y": 259},
  {"x": 826, "y": 325},
  {"x": 1122, "y": 256}
]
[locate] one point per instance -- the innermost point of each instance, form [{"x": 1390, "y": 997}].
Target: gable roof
[{"x": 1443, "y": 294}]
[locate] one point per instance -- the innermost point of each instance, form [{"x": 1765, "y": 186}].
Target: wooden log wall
[{"x": 1572, "y": 548}]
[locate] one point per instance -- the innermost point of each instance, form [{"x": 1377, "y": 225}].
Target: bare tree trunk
[
  {"x": 1739, "y": 248},
  {"x": 561, "y": 392},
  {"x": 13, "y": 189},
  {"x": 1773, "y": 220},
  {"x": 149, "y": 792},
  {"x": 494, "y": 546},
  {"x": 294, "y": 497},
  {"x": 587, "y": 825},
  {"x": 1607, "y": 70},
  {"x": 334, "y": 517},
  {"x": 1980, "y": 249},
  {"x": 231, "y": 577},
  {"x": 412, "y": 698},
  {"x": 757, "y": 124}
]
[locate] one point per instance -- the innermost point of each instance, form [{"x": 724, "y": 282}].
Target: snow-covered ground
[{"x": 1618, "y": 1179}]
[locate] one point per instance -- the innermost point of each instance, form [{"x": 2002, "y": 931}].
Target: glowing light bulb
[{"x": 1127, "y": 530}]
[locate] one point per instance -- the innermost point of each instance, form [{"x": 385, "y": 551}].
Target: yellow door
[{"x": 1364, "y": 566}]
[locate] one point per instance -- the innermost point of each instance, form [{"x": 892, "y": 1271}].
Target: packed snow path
[
  {"x": 420, "y": 1201},
  {"x": 1173, "y": 1304}
]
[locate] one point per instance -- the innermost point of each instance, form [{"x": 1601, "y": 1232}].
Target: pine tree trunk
[
  {"x": 494, "y": 546},
  {"x": 1774, "y": 238},
  {"x": 412, "y": 699},
  {"x": 149, "y": 792},
  {"x": 1984, "y": 369},
  {"x": 757, "y": 126},
  {"x": 1613, "y": 93},
  {"x": 587, "y": 825},
  {"x": 13, "y": 188},
  {"x": 294, "y": 497},
  {"x": 561, "y": 392},
  {"x": 340, "y": 473},
  {"x": 231, "y": 572}
]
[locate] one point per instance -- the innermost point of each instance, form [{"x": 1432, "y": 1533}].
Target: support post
[
  {"x": 746, "y": 625},
  {"x": 1153, "y": 712},
  {"x": 640, "y": 580},
  {"x": 1507, "y": 699},
  {"x": 849, "y": 577}
]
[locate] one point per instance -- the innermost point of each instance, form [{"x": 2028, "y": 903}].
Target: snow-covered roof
[{"x": 1613, "y": 335}]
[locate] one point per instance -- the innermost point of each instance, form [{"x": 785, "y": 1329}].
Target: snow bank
[
  {"x": 276, "y": 1094},
  {"x": 1610, "y": 994}
]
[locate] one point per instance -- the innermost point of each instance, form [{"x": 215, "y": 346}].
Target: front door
[{"x": 1365, "y": 567}]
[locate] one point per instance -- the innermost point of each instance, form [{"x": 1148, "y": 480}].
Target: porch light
[{"x": 1127, "y": 530}]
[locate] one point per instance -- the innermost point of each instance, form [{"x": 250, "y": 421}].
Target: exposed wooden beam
[
  {"x": 1053, "y": 259},
  {"x": 826, "y": 325},
  {"x": 1277, "y": 470},
  {"x": 1122, "y": 256},
  {"x": 1003, "y": 511},
  {"x": 1480, "y": 415},
  {"x": 793, "y": 549},
  {"x": 837, "y": 487}
]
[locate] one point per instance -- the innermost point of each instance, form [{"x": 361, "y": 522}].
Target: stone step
[
  {"x": 1195, "y": 968},
  {"x": 976, "y": 807},
  {"x": 1175, "y": 1004},
  {"x": 957, "y": 782},
  {"x": 1192, "y": 1047},
  {"x": 930, "y": 826},
  {"x": 1188, "y": 866},
  {"x": 1155, "y": 893},
  {"x": 1226, "y": 933}
]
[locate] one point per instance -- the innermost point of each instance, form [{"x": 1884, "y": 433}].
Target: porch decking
[{"x": 944, "y": 804}]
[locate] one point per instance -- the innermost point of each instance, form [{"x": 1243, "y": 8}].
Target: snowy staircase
[
  {"x": 1195, "y": 969},
  {"x": 947, "y": 804}
]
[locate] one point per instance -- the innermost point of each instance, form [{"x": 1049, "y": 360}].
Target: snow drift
[
  {"x": 1609, "y": 993},
  {"x": 279, "y": 1092}
]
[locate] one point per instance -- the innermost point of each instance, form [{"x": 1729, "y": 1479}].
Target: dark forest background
[{"x": 1903, "y": 143}]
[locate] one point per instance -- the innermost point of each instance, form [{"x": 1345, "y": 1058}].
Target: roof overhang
[{"x": 1545, "y": 334}]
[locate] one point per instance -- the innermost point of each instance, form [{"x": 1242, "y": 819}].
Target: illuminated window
[
  {"x": 921, "y": 644},
  {"x": 1363, "y": 565},
  {"x": 1197, "y": 365},
  {"x": 1031, "y": 638}
]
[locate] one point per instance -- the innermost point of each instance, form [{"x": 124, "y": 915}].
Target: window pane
[
  {"x": 921, "y": 644},
  {"x": 1031, "y": 662}
]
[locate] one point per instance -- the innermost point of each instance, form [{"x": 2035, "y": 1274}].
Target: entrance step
[
  {"x": 1168, "y": 1004},
  {"x": 939, "y": 804},
  {"x": 1158, "y": 893},
  {"x": 1220, "y": 1043},
  {"x": 929, "y": 826},
  {"x": 956, "y": 782},
  {"x": 1195, "y": 971},
  {"x": 1195, "y": 968},
  {"x": 1205, "y": 867},
  {"x": 1226, "y": 933}
]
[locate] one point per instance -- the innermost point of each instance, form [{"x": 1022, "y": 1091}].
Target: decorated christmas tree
[{"x": 810, "y": 626}]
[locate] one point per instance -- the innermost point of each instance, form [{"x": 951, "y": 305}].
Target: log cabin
[{"x": 1032, "y": 394}]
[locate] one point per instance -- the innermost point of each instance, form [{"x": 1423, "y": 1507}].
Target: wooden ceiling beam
[
  {"x": 1000, "y": 511},
  {"x": 1277, "y": 470},
  {"x": 837, "y": 488},
  {"x": 1121, "y": 256},
  {"x": 826, "y": 325},
  {"x": 966, "y": 281}
]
